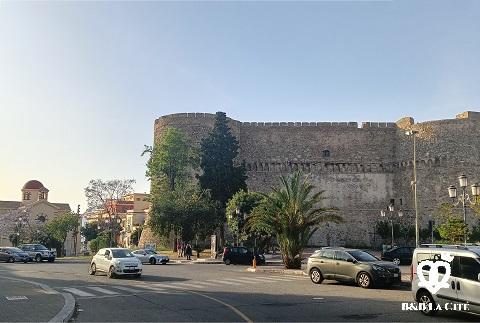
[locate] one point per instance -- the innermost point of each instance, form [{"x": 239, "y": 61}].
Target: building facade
[
  {"x": 34, "y": 210},
  {"x": 361, "y": 169}
]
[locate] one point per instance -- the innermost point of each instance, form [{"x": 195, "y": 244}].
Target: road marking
[
  {"x": 16, "y": 298},
  {"x": 276, "y": 279},
  {"x": 188, "y": 285},
  {"x": 251, "y": 280},
  {"x": 103, "y": 290},
  {"x": 225, "y": 282},
  {"x": 78, "y": 292},
  {"x": 235, "y": 310},
  {"x": 127, "y": 289},
  {"x": 318, "y": 298},
  {"x": 159, "y": 286},
  {"x": 242, "y": 280},
  {"x": 205, "y": 283}
]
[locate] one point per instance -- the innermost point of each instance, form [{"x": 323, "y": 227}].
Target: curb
[
  {"x": 69, "y": 301},
  {"x": 67, "y": 311},
  {"x": 297, "y": 272},
  {"x": 196, "y": 262}
]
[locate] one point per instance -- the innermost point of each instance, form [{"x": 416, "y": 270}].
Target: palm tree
[{"x": 292, "y": 214}]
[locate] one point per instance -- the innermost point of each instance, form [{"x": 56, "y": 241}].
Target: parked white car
[
  {"x": 463, "y": 283},
  {"x": 150, "y": 256},
  {"x": 115, "y": 262}
]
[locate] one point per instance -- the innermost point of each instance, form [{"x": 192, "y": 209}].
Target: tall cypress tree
[{"x": 220, "y": 175}]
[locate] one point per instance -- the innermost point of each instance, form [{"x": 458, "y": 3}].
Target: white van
[{"x": 463, "y": 284}]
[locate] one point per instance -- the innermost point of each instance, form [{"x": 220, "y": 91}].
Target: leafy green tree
[
  {"x": 242, "y": 202},
  {"x": 450, "y": 223},
  {"x": 103, "y": 240},
  {"x": 59, "y": 227},
  {"x": 220, "y": 175},
  {"x": 135, "y": 237},
  {"x": 90, "y": 231},
  {"x": 293, "y": 215},
  {"x": 187, "y": 212},
  {"x": 171, "y": 161}
]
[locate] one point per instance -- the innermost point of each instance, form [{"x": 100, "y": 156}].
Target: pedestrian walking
[
  {"x": 182, "y": 254},
  {"x": 188, "y": 251},
  {"x": 179, "y": 248}
]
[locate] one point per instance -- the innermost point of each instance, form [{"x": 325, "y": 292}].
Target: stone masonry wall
[{"x": 360, "y": 169}]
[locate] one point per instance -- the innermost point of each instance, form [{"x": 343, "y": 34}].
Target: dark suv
[
  {"x": 399, "y": 255},
  {"x": 353, "y": 266},
  {"x": 38, "y": 252},
  {"x": 241, "y": 255}
]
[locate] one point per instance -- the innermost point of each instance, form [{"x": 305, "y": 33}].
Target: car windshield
[
  {"x": 15, "y": 249},
  {"x": 362, "y": 256},
  {"x": 151, "y": 252},
  {"x": 122, "y": 253},
  {"x": 40, "y": 247}
]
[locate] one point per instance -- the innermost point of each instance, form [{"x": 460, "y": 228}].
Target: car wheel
[
  {"x": 138, "y": 275},
  {"x": 38, "y": 258},
  {"x": 227, "y": 262},
  {"x": 51, "y": 260},
  {"x": 396, "y": 261},
  {"x": 93, "y": 269},
  {"x": 25, "y": 261},
  {"x": 316, "y": 276},
  {"x": 11, "y": 259},
  {"x": 429, "y": 306},
  {"x": 364, "y": 280},
  {"x": 111, "y": 272},
  {"x": 153, "y": 261}
]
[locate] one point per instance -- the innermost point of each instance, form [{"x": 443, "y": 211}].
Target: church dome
[{"x": 33, "y": 185}]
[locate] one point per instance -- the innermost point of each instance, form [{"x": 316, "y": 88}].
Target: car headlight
[{"x": 378, "y": 268}]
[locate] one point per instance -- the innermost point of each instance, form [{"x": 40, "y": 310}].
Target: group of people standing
[{"x": 184, "y": 249}]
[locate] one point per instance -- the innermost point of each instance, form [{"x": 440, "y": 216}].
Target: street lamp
[
  {"x": 464, "y": 197},
  {"x": 413, "y": 133},
  {"x": 391, "y": 209}
]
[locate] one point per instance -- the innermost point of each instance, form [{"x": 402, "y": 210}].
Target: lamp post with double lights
[
  {"x": 464, "y": 198},
  {"x": 391, "y": 209}
]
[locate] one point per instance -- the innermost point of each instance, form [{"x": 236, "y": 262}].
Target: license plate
[{"x": 395, "y": 275}]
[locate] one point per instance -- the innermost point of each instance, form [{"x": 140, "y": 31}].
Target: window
[
  {"x": 341, "y": 255},
  {"x": 326, "y": 153},
  {"x": 27, "y": 196},
  {"x": 469, "y": 268},
  {"x": 107, "y": 253},
  {"x": 329, "y": 254}
]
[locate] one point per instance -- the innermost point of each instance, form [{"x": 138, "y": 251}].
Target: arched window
[{"x": 326, "y": 153}]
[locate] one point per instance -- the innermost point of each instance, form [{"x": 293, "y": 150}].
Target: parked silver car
[
  {"x": 464, "y": 281},
  {"x": 12, "y": 254},
  {"x": 150, "y": 256}
]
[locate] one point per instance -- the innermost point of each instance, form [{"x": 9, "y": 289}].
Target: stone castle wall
[{"x": 365, "y": 166}]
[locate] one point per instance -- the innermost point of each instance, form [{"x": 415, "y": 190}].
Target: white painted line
[
  {"x": 127, "y": 289},
  {"x": 225, "y": 282},
  {"x": 67, "y": 310},
  {"x": 157, "y": 286},
  {"x": 188, "y": 285},
  {"x": 103, "y": 290},
  {"x": 242, "y": 280},
  {"x": 206, "y": 283},
  {"x": 78, "y": 292},
  {"x": 250, "y": 280},
  {"x": 16, "y": 298},
  {"x": 274, "y": 279},
  {"x": 318, "y": 298}
]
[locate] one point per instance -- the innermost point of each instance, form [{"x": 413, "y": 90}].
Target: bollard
[{"x": 254, "y": 264}]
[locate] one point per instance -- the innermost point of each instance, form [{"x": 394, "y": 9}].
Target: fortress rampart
[{"x": 361, "y": 167}]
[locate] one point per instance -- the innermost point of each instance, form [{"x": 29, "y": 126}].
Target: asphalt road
[{"x": 184, "y": 292}]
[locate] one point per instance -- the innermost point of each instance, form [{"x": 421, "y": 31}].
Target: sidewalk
[{"x": 24, "y": 301}]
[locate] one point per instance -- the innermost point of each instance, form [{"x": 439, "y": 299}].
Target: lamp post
[
  {"x": 464, "y": 198},
  {"x": 413, "y": 133},
  {"x": 391, "y": 209}
]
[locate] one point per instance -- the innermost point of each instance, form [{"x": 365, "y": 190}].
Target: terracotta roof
[
  {"x": 33, "y": 185},
  {"x": 10, "y": 205}
]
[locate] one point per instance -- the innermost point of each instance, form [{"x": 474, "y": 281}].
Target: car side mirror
[{"x": 349, "y": 260}]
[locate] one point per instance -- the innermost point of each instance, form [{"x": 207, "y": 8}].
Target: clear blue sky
[{"x": 81, "y": 83}]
